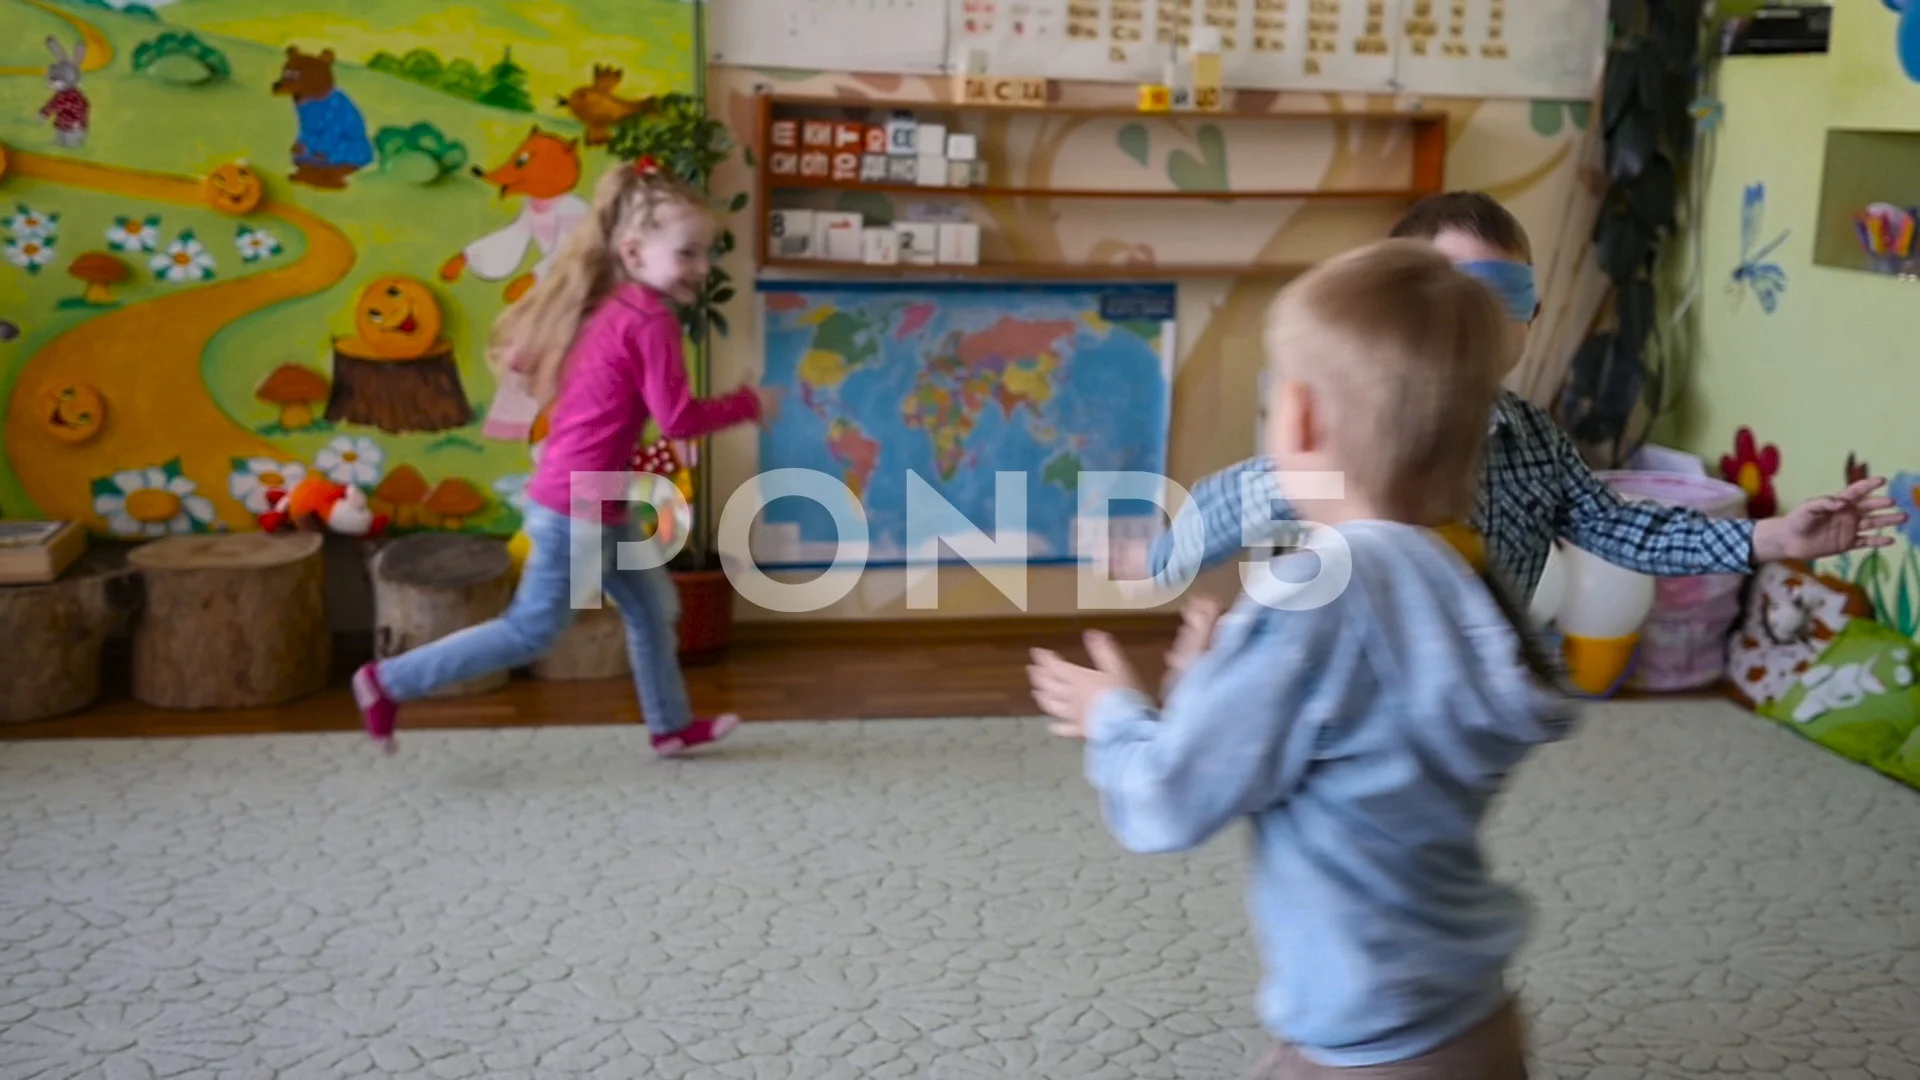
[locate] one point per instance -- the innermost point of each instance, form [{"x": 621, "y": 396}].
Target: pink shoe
[
  {"x": 379, "y": 711},
  {"x": 702, "y": 731}
]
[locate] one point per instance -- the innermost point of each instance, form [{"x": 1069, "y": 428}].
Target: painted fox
[{"x": 545, "y": 169}]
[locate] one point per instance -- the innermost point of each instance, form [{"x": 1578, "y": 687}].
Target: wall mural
[{"x": 249, "y": 245}]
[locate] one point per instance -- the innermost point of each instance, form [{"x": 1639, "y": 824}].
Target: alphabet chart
[
  {"x": 1478, "y": 48},
  {"x": 907, "y": 36}
]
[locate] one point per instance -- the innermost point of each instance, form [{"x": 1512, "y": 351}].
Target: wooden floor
[{"x": 981, "y": 673}]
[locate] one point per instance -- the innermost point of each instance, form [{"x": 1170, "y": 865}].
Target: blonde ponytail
[{"x": 532, "y": 337}]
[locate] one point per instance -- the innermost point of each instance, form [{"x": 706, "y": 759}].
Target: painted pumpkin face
[
  {"x": 398, "y": 318},
  {"x": 234, "y": 188},
  {"x": 72, "y": 413}
]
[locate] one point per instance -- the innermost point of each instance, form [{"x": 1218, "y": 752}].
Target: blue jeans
[{"x": 541, "y": 611}]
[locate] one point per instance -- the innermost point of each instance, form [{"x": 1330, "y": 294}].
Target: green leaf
[
  {"x": 1546, "y": 117},
  {"x": 1134, "y": 142},
  {"x": 723, "y": 295},
  {"x": 103, "y": 485},
  {"x": 1581, "y": 113},
  {"x": 719, "y": 322},
  {"x": 738, "y": 203},
  {"x": 1209, "y": 173},
  {"x": 1904, "y": 617}
]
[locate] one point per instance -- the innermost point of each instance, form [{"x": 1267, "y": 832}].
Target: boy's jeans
[{"x": 541, "y": 611}]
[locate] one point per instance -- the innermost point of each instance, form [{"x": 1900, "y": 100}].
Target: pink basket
[{"x": 1684, "y": 642}]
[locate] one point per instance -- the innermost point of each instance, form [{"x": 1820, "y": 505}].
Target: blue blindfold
[{"x": 1511, "y": 282}]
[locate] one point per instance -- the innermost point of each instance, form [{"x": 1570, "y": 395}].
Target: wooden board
[{"x": 44, "y": 559}]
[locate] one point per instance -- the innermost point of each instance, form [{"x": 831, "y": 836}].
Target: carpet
[{"x": 1716, "y": 898}]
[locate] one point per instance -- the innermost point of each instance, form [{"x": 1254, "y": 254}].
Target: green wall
[{"x": 1835, "y": 369}]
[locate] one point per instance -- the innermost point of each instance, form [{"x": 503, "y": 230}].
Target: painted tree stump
[
  {"x": 429, "y": 585},
  {"x": 231, "y": 622},
  {"x": 53, "y": 634},
  {"x": 594, "y": 647},
  {"x": 423, "y": 394}
]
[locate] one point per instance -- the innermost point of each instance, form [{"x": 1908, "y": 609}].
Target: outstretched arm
[
  {"x": 663, "y": 386},
  {"x": 1235, "y": 737},
  {"x": 1646, "y": 537},
  {"x": 1213, "y": 526}
]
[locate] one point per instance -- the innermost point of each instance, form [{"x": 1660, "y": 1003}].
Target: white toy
[{"x": 1598, "y": 608}]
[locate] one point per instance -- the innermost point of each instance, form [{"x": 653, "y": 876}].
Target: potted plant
[
  {"x": 677, "y": 132},
  {"x": 1654, "y": 104}
]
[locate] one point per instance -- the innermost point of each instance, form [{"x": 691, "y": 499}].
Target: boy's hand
[
  {"x": 1197, "y": 620},
  {"x": 1067, "y": 691},
  {"x": 1829, "y": 525}
]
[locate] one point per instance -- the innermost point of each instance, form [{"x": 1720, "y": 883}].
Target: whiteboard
[{"x": 906, "y": 36}]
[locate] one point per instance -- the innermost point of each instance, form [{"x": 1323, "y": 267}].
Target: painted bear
[{"x": 332, "y": 143}]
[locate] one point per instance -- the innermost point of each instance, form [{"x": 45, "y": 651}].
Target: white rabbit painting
[{"x": 68, "y": 107}]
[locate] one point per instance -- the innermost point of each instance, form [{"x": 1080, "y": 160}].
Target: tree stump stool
[
  {"x": 53, "y": 634},
  {"x": 231, "y": 622},
  {"x": 594, "y": 647},
  {"x": 429, "y": 585}
]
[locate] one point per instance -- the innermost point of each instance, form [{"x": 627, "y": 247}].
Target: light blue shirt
[{"x": 1364, "y": 739}]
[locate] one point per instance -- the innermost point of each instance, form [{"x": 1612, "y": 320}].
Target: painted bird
[{"x": 596, "y": 106}]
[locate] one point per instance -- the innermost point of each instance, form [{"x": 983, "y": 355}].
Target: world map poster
[{"x": 955, "y": 384}]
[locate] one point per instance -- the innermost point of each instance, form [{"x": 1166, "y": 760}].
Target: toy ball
[{"x": 518, "y": 549}]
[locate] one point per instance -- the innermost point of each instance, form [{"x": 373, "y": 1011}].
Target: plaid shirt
[{"x": 1535, "y": 487}]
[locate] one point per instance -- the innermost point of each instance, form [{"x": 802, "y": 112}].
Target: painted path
[
  {"x": 99, "y": 49},
  {"x": 144, "y": 359}
]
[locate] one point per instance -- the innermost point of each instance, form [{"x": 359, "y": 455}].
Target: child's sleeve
[
  {"x": 1210, "y": 528},
  {"x": 1236, "y": 737},
  {"x": 1646, "y": 537},
  {"x": 663, "y": 387}
]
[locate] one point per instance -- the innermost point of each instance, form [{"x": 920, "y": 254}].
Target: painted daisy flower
[
  {"x": 30, "y": 252},
  {"x": 255, "y": 244},
  {"x": 30, "y": 224},
  {"x": 186, "y": 259},
  {"x": 126, "y": 234},
  {"x": 351, "y": 459},
  {"x": 258, "y": 482},
  {"x": 151, "y": 502}
]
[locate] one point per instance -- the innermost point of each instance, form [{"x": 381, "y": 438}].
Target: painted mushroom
[
  {"x": 453, "y": 501},
  {"x": 400, "y": 495},
  {"x": 296, "y": 390},
  {"x": 99, "y": 271}
]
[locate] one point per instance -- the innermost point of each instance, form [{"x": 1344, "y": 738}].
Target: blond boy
[{"x": 1365, "y": 729}]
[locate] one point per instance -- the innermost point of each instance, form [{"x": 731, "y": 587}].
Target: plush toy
[
  {"x": 318, "y": 503},
  {"x": 1793, "y": 614}
]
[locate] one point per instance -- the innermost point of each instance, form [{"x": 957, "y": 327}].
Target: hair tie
[{"x": 644, "y": 165}]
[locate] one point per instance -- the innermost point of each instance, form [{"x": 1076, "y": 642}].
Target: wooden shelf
[
  {"x": 787, "y": 183},
  {"x": 805, "y": 101},
  {"x": 1050, "y": 271},
  {"x": 1426, "y": 177}
]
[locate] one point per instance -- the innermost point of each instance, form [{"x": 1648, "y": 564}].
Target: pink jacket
[{"x": 627, "y": 364}]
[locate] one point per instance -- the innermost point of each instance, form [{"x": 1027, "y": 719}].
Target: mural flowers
[
  {"x": 126, "y": 234},
  {"x": 150, "y": 502},
  {"x": 1904, "y": 489},
  {"x": 255, "y": 244},
  {"x": 257, "y": 483},
  {"x": 351, "y": 459},
  {"x": 28, "y": 223},
  {"x": 1890, "y": 576},
  {"x": 30, "y": 252},
  {"x": 186, "y": 259},
  {"x": 1753, "y": 467}
]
